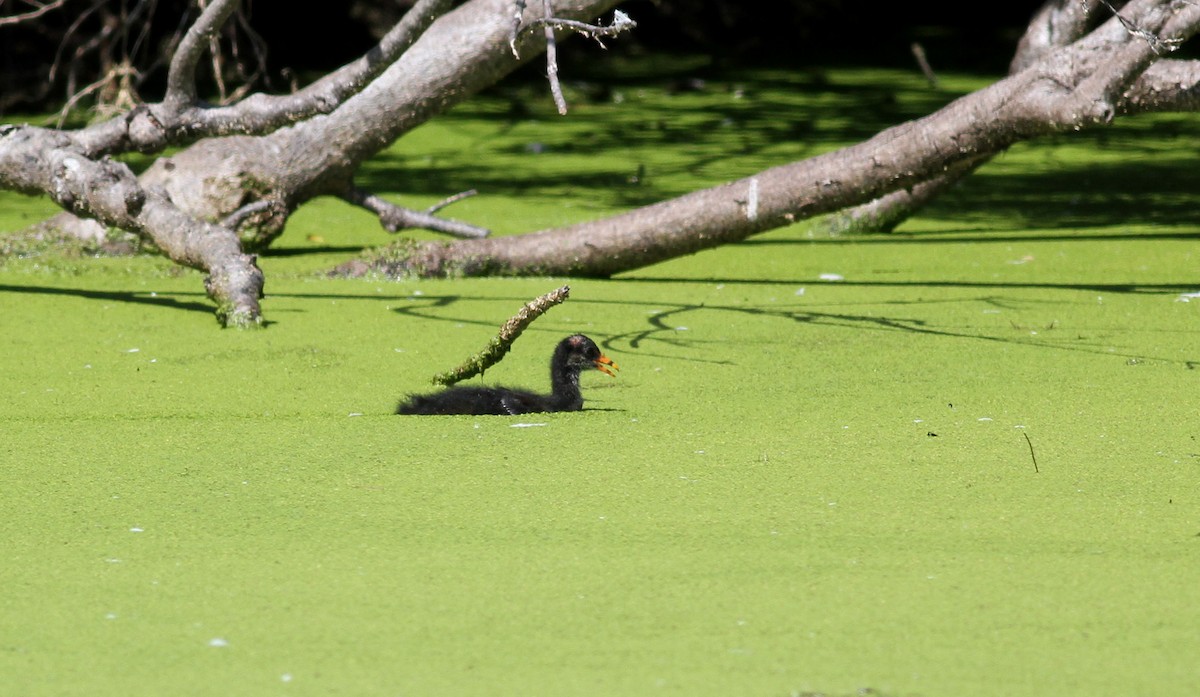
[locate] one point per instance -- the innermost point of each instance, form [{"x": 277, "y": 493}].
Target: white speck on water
[
  {"x": 154, "y": 360},
  {"x": 1187, "y": 297},
  {"x": 286, "y": 677},
  {"x": 832, "y": 277},
  {"x": 799, "y": 291},
  {"x": 136, "y": 530},
  {"x": 525, "y": 425},
  {"x": 681, "y": 329},
  {"x": 918, "y": 421},
  {"x": 154, "y": 294},
  {"x": 398, "y": 350},
  {"x": 110, "y": 616},
  {"x": 699, "y": 452},
  {"x": 1019, "y": 426},
  {"x": 985, "y": 418},
  {"x": 991, "y": 312},
  {"x": 218, "y": 642},
  {"x": 132, "y": 350},
  {"x": 355, "y": 413},
  {"x": 833, "y": 503},
  {"x": 87, "y": 365},
  {"x": 113, "y": 560}
]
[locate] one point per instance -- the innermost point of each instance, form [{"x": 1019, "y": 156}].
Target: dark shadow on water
[
  {"x": 305, "y": 251},
  {"x": 141, "y": 298},
  {"x": 1148, "y": 288},
  {"x": 662, "y": 327},
  {"x": 980, "y": 235}
]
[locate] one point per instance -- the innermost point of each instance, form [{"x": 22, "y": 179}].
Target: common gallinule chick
[{"x": 572, "y": 355}]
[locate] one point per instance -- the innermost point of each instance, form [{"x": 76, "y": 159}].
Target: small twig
[
  {"x": 32, "y": 14},
  {"x": 235, "y": 219},
  {"x": 560, "y": 102},
  {"x": 516, "y": 28},
  {"x": 394, "y": 218},
  {"x": 918, "y": 52},
  {"x": 452, "y": 199},
  {"x": 1030, "y": 443},
  {"x": 1156, "y": 42},
  {"x": 620, "y": 23},
  {"x": 497, "y": 347}
]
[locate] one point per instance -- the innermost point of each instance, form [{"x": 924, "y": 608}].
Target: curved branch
[
  {"x": 181, "y": 76},
  {"x": 503, "y": 341}
]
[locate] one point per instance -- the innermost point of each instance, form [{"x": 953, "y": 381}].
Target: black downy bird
[{"x": 572, "y": 355}]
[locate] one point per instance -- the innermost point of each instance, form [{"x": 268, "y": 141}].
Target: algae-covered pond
[{"x": 961, "y": 459}]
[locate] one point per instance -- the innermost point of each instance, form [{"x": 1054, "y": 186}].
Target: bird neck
[{"x": 564, "y": 386}]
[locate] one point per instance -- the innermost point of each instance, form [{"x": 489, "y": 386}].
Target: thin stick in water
[
  {"x": 498, "y": 346},
  {"x": 1030, "y": 443}
]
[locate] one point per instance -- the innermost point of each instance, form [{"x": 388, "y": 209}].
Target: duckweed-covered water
[{"x": 960, "y": 459}]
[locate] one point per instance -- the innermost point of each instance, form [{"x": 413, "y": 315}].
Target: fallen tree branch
[
  {"x": 498, "y": 346},
  {"x": 1077, "y": 87},
  {"x": 181, "y": 118}
]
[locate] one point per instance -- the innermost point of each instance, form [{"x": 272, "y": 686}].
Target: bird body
[{"x": 572, "y": 355}]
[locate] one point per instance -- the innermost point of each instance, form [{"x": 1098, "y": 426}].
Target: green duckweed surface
[{"x": 961, "y": 459}]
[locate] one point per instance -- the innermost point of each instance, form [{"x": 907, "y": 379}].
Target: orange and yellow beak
[{"x": 605, "y": 365}]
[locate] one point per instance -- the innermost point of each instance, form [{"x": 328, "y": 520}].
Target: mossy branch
[{"x": 498, "y": 346}]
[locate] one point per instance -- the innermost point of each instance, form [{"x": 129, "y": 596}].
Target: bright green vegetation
[{"x": 795, "y": 484}]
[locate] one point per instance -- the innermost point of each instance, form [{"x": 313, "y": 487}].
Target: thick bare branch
[
  {"x": 39, "y": 160},
  {"x": 885, "y": 213},
  {"x": 1058, "y": 23}
]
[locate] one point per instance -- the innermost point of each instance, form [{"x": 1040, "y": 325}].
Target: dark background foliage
[{"x": 123, "y": 44}]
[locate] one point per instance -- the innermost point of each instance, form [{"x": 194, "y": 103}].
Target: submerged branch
[{"x": 498, "y": 346}]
